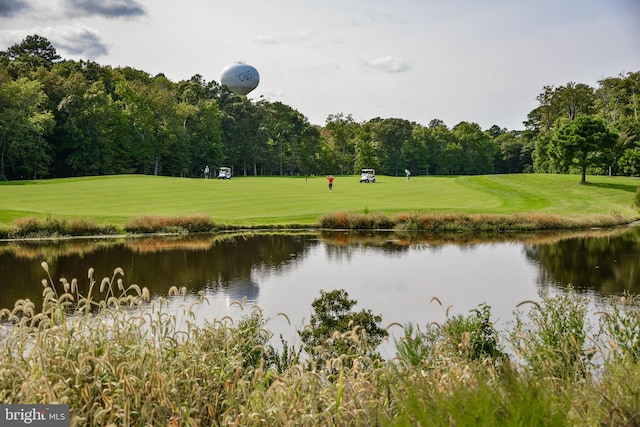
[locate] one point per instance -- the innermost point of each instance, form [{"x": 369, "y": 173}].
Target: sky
[{"x": 481, "y": 61}]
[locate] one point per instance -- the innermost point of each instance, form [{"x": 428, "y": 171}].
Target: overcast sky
[{"x": 482, "y": 61}]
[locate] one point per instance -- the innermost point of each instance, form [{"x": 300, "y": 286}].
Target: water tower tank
[{"x": 241, "y": 78}]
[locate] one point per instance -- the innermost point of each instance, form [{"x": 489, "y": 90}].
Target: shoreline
[{"x": 49, "y": 229}]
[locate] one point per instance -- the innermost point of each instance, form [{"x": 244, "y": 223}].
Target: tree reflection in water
[{"x": 600, "y": 262}]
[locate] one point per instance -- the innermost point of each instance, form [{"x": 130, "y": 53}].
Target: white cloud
[
  {"x": 301, "y": 37},
  {"x": 389, "y": 64}
]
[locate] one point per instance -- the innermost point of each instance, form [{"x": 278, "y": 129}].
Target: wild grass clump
[
  {"x": 356, "y": 221},
  {"x": 117, "y": 356},
  {"x": 502, "y": 222},
  {"x": 32, "y": 227},
  {"x": 146, "y": 224},
  {"x": 554, "y": 340},
  {"x": 462, "y": 222}
]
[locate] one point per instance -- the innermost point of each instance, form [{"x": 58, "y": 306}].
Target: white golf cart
[
  {"x": 368, "y": 175},
  {"x": 225, "y": 173}
]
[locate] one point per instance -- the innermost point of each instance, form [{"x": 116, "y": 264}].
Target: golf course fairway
[{"x": 256, "y": 201}]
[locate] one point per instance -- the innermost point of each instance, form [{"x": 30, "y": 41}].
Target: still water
[{"x": 396, "y": 276}]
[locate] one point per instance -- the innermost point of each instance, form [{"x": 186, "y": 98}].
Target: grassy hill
[{"x": 298, "y": 200}]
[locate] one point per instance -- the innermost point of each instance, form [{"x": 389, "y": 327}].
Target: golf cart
[
  {"x": 225, "y": 173},
  {"x": 368, "y": 175}
]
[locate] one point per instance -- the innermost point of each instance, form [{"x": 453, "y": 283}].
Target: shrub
[
  {"x": 620, "y": 320},
  {"x": 356, "y": 221},
  {"x": 467, "y": 338},
  {"x": 334, "y": 330},
  {"x": 473, "y": 337},
  {"x": 167, "y": 224},
  {"x": 554, "y": 340},
  {"x": 31, "y": 227},
  {"x": 415, "y": 347},
  {"x": 444, "y": 222}
]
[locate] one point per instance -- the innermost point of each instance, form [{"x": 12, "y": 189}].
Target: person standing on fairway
[
  {"x": 407, "y": 172},
  {"x": 330, "y": 179},
  {"x": 206, "y": 172}
]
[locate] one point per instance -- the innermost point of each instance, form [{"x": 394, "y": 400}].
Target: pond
[{"x": 405, "y": 278}]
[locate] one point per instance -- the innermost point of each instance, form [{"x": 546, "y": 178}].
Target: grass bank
[
  {"x": 116, "y": 201},
  {"x": 118, "y": 358}
]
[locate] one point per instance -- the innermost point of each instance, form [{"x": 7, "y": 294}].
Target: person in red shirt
[{"x": 330, "y": 179}]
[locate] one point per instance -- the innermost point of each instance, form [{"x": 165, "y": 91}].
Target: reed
[
  {"x": 147, "y": 224},
  {"x": 118, "y": 356},
  {"x": 32, "y": 227},
  {"x": 447, "y": 222}
]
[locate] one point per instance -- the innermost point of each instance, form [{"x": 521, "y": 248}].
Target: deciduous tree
[
  {"x": 24, "y": 121},
  {"x": 584, "y": 142}
]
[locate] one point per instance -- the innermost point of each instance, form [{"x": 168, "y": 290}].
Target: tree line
[{"x": 64, "y": 118}]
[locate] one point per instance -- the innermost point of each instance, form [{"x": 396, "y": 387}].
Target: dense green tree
[
  {"x": 392, "y": 135},
  {"x": 366, "y": 148},
  {"x": 584, "y": 142},
  {"x": 141, "y": 122},
  {"x": 305, "y": 151},
  {"x": 618, "y": 101},
  {"x": 341, "y": 129},
  {"x": 438, "y": 138},
  {"x": 23, "y": 123},
  {"x": 101, "y": 120},
  {"x": 336, "y": 330},
  {"x": 564, "y": 102},
  {"x": 478, "y": 149},
  {"x": 544, "y": 160},
  {"x": 419, "y": 159},
  {"x": 205, "y": 133},
  {"x": 414, "y": 152},
  {"x": 284, "y": 128},
  {"x": 629, "y": 163},
  {"x": 96, "y": 142},
  {"x": 618, "y": 98},
  {"x": 150, "y": 106},
  {"x": 30, "y": 54},
  {"x": 243, "y": 138},
  {"x": 512, "y": 156}
]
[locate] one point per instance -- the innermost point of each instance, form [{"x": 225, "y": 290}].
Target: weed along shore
[{"x": 47, "y": 228}]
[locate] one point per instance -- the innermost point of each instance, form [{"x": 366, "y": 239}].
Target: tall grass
[
  {"x": 32, "y": 227},
  {"x": 446, "y": 222},
  {"x": 145, "y": 224},
  {"x": 119, "y": 357}
]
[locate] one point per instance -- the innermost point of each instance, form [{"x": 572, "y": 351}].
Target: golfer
[{"x": 330, "y": 179}]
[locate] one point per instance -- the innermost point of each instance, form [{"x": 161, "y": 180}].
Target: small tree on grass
[
  {"x": 335, "y": 331},
  {"x": 584, "y": 142}
]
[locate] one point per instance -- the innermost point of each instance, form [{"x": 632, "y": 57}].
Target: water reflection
[
  {"x": 603, "y": 264},
  {"x": 394, "y": 274},
  {"x": 221, "y": 263}
]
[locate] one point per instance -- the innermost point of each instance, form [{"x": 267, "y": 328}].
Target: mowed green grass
[{"x": 297, "y": 200}]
